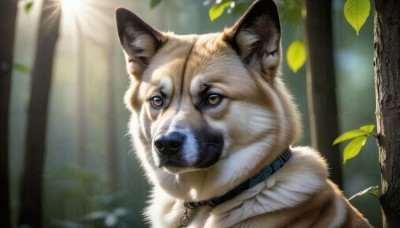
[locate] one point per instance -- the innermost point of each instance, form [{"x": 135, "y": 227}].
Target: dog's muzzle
[{"x": 184, "y": 148}]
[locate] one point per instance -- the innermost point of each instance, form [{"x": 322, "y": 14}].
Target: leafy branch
[
  {"x": 358, "y": 138},
  {"x": 373, "y": 190}
]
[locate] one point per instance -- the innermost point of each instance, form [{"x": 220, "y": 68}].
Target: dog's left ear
[{"x": 256, "y": 38}]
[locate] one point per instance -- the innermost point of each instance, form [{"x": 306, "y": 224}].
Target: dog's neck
[{"x": 249, "y": 183}]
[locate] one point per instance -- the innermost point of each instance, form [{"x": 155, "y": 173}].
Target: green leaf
[
  {"x": 28, "y": 6},
  {"x": 21, "y": 68},
  {"x": 153, "y": 3},
  {"x": 218, "y": 9},
  {"x": 373, "y": 190},
  {"x": 353, "y": 148},
  {"x": 368, "y": 128},
  {"x": 356, "y": 13},
  {"x": 349, "y": 135},
  {"x": 296, "y": 55}
]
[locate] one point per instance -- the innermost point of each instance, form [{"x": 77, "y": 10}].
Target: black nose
[{"x": 169, "y": 144}]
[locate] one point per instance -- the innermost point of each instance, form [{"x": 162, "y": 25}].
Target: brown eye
[
  {"x": 156, "y": 102},
  {"x": 214, "y": 99}
]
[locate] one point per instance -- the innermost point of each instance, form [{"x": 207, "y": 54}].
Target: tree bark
[
  {"x": 35, "y": 145},
  {"x": 321, "y": 83},
  {"x": 387, "y": 88},
  {"x": 8, "y": 12}
]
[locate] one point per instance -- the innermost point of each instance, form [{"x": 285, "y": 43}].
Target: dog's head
[{"x": 207, "y": 110}]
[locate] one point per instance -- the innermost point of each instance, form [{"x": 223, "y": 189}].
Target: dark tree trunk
[
  {"x": 8, "y": 11},
  {"x": 321, "y": 83},
  {"x": 35, "y": 145},
  {"x": 387, "y": 82}
]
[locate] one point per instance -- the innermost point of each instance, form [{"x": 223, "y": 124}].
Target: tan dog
[{"x": 212, "y": 123}]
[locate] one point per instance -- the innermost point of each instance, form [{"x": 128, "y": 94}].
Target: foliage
[
  {"x": 218, "y": 9},
  {"x": 28, "y": 6},
  {"x": 373, "y": 190},
  {"x": 154, "y": 3},
  {"x": 73, "y": 181},
  {"x": 356, "y": 13},
  {"x": 21, "y": 68},
  {"x": 296, "y": 55},
  {"x": 112, "y": 212},
  {"x": 72, "y": 186},
  {"x": 358, "y": 136},
  {"x": 290, "y": 11}
]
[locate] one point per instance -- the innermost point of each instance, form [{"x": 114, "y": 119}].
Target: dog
[{"x": 212, "y": 124}]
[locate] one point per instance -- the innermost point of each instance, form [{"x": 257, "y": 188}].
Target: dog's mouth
[
  {"x": 186, "y": 151},
  {"x": 164, "y": 161}
]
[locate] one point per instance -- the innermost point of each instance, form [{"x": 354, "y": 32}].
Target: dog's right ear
[
  {"x": 139, "y": 40},
  {"x": 256, "y": 38}
]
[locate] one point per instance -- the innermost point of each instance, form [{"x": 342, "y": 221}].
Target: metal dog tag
[{"x": 185, "y": 218}]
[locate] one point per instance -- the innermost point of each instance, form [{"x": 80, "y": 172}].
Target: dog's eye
[
  {"x": 272, "y": 53},
  {"x": 156, "y": 102},
  {"x": 214, "y": 99}
]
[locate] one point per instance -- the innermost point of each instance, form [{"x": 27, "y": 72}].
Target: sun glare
[
  {"x": 85, "y": 18},
  {"x": 72, "y": 7}
]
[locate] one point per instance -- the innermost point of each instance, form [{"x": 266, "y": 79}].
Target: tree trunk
[
  {"x": 8, "y": 11},
  {"x": 321, "y": 83},
  {"x": 387, "y": 82},
  {"x": 32, "y": 174}
]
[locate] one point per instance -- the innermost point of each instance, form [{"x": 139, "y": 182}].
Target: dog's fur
[{"x": 209, "y": 112}]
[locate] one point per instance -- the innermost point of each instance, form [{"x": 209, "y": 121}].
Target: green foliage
[
  {"x": 353, "y": 148},
  {"x": 21, "y": 68},
  {"x": 356, "y": 13},
  {"x": 373, "y": 190},
  {"x": 28, "y": 6},
  {"x": 218, "y": 9},
  {"x": 296, "y": 55},
  {"x": 111, "y": 213},
  {"x": 154, "y": 3},
  {"x": 86, "y": 192},
  {"x": 74, "y": 182},
  {"x": 289, "y": 11},
  {"x": 358, "y": 136}
]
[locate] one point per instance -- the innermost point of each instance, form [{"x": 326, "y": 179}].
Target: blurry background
[{"x": 91, "y": 175}]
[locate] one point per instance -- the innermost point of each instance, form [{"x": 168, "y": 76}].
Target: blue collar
[{"x": 260, "y": 177}]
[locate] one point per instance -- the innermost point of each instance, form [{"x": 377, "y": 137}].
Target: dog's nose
[{"x": 169, "y": 144}]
